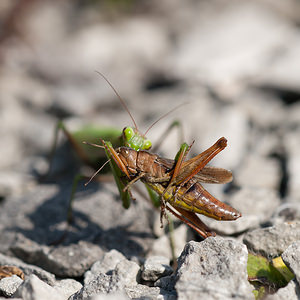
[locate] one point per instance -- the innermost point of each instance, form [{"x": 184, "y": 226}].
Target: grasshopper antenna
[
  {"x": 99, "y": 146},
  {"x": 91, "y": 144},
  {"x": 121, "y": 100},
  {"x": 97, "y": 172},
  {"x": 163, "y": 116}
]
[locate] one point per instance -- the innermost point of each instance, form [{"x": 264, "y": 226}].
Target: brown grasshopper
[{"x": 178, "y": 182}]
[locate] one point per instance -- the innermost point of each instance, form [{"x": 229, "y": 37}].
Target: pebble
[
  {"x": 291, "y": 257},
  {"x": 156, "y": 267},
  {"x": 34, "y": 289},
  {"x": 9, "y": 285},
  {"x": 214, "y": 269},
  {"x": 272, "y": 241}
]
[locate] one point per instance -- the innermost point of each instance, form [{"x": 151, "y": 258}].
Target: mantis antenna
[
  {"x": 163, "y": 116},
  {"x": 126, "y": 108},
  {"x": 121, "y": 100}
]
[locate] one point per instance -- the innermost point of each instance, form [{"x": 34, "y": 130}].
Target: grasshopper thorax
[
  {"x": 129, "y": 158},
  {"x": 133, "y": 139}
]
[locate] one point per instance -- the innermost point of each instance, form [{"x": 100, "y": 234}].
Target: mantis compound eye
[
  {"x": 147, "y": 144},
  {"x": 128, "y": 132}
]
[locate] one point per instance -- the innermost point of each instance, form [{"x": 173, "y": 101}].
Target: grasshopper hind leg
[{"x": 192, "y": 220}]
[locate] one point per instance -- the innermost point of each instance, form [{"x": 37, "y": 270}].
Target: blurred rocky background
[{"x": 235, "y": 65}]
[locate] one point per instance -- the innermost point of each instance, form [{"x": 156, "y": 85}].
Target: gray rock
[
  {"x": 237, "y": 58},
  {"x": 291, "y": 257},
  {"x": 14, "y": 182},
  {"x": 29, "y": 123},
  {"x": 28, "y": 269},
  {"x": 284, "y": 72},
  {"x": 256, "y": 205},
  {"x": 150, "y": 293},
  {"x": 156, "y": 267},
  {"x": 272, "y": 241},
  {"x": 72, "y": 260},
  {"x": 167, "y": 286},
  {"x": 67, "y": 287},
  {"x": 289, "y": 292},
  {"x": 236, "y": 131},
  {"x": 9, "y": 285},
  {"x": 102, "y": 284},
  {"x": 292, "y": 143},
  {"x": 64, "y": 261},
  {"x": 43, "y": 221},
  {"x": 34, "y": 289},
  {"x": 120, "y": 295},
  {"x": 31, "y": 224},
  {"x": 292, "y": 119},
  {"x": 251, "y": 173},
  {"x": 124, "y": 274},
  {"x": 105, "y": 265},
  {"x": 167, "y": 283},
  {"x": 213, "y": 269},
  {"x": 253, "y": 103},
  {"x": 127, "y": 272},
  {"x": 286, "y": 212}
]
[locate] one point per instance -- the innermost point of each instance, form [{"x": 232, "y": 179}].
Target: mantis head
[{"x": 133, "y": 139}]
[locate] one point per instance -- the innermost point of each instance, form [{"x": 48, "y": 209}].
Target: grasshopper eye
[
  {"x": 128, "y": 132},
  {"x": 147, "y": 144}
]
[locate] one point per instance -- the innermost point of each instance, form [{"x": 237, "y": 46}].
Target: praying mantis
[{"x": 129, "y": 137}]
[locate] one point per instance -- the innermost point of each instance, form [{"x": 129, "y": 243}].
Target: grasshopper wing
[{"x": 213, "y": 175}]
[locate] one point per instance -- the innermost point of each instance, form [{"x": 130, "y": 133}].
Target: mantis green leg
[
  {"x": 171, "y": 239},
  {"x": 53, "y": 148},
  {"x": 74, "y": 143},
  {"x": 76, "y": 180}
]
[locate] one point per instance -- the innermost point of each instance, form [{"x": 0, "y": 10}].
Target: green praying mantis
[{"x": 130, "y": 137}]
